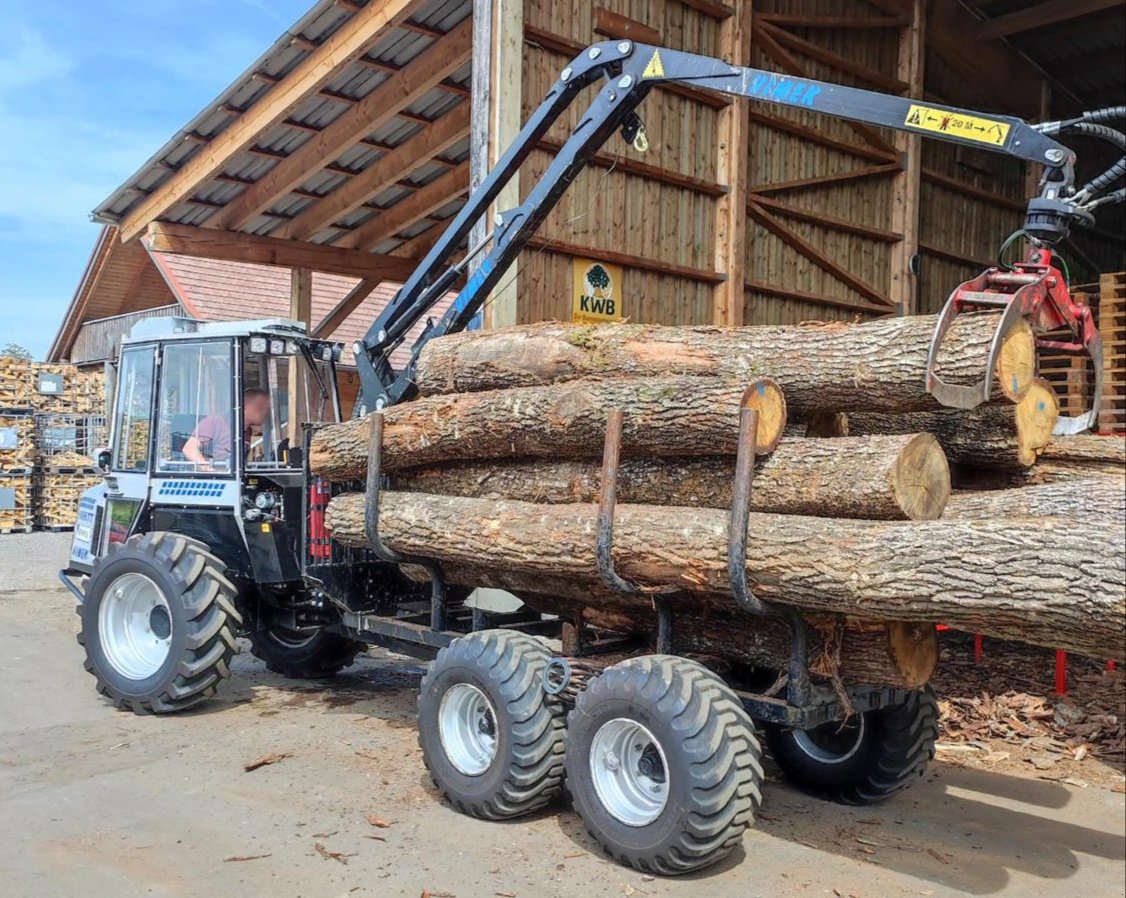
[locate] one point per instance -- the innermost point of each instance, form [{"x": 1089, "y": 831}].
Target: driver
[{"x": 211, "y": 440}]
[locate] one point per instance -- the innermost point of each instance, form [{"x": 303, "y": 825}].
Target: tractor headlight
[
  {"x": 326, "y": 353},
  {"x": 277, "y": 347},
  {"x": 291, "y": 347},
  {"x": 257, "y": 344}
]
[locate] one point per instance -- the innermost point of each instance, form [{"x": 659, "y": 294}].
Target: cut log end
[
  {"x": 922, "y": 479},
  {"x": 913, "y": 647},
  {"x": 1016, "y": 361},
  {"x": 1036, "y": 416},
  {"x": 766, "y": 398}
]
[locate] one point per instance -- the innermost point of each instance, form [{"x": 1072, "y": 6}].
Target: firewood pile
[
  {"x": 42, "y": 388},
  {"x": 495, "y": 473}
]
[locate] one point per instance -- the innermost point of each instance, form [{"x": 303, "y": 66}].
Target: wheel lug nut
[{"x": 611, "y": 760}]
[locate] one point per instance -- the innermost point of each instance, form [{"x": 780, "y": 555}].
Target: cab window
[
  {"x": 197, "y": 422},
  {"x": 133, "y": 410}
]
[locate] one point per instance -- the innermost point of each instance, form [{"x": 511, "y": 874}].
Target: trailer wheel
[
  {"x": 303, "y": 655},
  {"x": 663, "y": 764},
  {"x": 865, "y": 760},
  {"x": 158, "y": 623},
  {"x": 491, "y": 737}
]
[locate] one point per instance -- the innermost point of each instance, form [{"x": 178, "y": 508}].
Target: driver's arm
[{"x": 193, "y": 452}]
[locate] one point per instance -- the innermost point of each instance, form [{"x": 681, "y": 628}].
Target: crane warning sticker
[
  {"x": 655, "y": 69},
  {"x": 967, "y": 127},
  {"x": 597, "y": 292}
]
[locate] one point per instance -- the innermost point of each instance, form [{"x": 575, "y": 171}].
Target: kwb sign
[{"x": 596, "y": 292}]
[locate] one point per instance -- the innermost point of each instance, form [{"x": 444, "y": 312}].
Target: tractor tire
[
  {"x": 865, "y": 760},
  {"x": 158, "y": 623},
  {"x": 303, "y": 656},
  {"x": 663, "y": 765},
  {"x": 492, "y": 739}
]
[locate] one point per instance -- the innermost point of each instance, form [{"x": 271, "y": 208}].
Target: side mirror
[{"x": 102, "y": 458}]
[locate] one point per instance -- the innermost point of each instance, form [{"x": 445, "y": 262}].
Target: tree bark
[
  {"x": 663, "y": 416},
  {"x": 864, "y": 652},
  {"x": 1097, "y": 500},
  {"x": 970, "y": 477},
  {"x": 876, "y": 366},
  {"x": 1049, "y": 582},
  {"x": 878, "y": 477},
  {"x": 1087, "y": 447},
  {"x": 993, "y": 436}
]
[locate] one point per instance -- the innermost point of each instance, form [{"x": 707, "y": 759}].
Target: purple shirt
[{"x": 213, "y": 434}]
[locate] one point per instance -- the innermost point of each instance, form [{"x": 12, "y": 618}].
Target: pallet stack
[
  {"x": 17, "y": 445},
  {"x": 1112, "y": 327},
  {"x": 64, "y": 466}
]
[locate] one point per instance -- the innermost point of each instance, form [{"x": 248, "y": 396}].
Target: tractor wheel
[
  {"x": 303, "y": 655},
  {"x": 662, "y": 764},
  {"x": 158, "y": 623},
  {"x": 491, "y": 737},
  {"x": 864, "y": 760}
]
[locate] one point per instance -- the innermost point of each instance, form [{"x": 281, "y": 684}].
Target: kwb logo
[
  {"x": 598, "y": 296},
  {"x": 596, "y": 306}
]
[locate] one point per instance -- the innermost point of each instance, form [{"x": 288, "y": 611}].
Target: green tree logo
[{"x": 598, "y": 282}]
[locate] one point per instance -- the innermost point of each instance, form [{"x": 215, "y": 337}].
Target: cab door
[{"x": 131, "y": 446}]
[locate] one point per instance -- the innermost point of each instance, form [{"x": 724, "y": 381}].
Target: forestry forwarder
[{"x": 177, "y": 556}]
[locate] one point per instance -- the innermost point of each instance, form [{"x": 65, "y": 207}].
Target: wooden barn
[{"x": 348, "y": 143}]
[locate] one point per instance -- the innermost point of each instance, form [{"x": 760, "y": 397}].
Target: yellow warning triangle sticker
[{"x": 656, "y": 68}]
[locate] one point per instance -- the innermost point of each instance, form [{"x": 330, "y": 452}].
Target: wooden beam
[
  {"x": 718, "y": 11},
  {"x": 381, "y": 105},
  {"x": 835, "y": 60},
  {"x": 907, "y": 184},
  {"x": 349, "y": 41},
  {"x": 619, "y": 27},
  {"x": 331, "y": 322},
  {"x": 820, "y": 137},
  {"x": 506, "y": 115},
  {"x": 827, "y": 221},
  {"x": 798, "y": 243},
  {"x": 788, "y": 20},
  {"x": 785, "y": 61},
  {"x": 627, "y": 260},
  {"x": 413, "y": 153},
  {"x": 817, "y": 298},
  {"x": 644, "y": 169},
  {"x": 402, "y": 215},
  {"x": 301, "y": 295},
  {"x": 1042, "y": 15},
  {"x": 978, "y": 193},
  {"x": 188, "y": 241},
  {"x": 732, "y": 151},
  {"x": 853, "y": 174}
]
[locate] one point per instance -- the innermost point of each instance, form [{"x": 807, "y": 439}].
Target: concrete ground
[{"x": 95, "y": 802}]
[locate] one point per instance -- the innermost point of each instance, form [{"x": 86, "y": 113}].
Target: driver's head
[{"x": 255, "y": 407}]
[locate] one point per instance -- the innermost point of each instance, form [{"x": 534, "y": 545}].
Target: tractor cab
[{"x": 207, "y": 441}]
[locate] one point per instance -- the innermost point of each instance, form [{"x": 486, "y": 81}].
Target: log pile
[{"x": 495, "y": 472}]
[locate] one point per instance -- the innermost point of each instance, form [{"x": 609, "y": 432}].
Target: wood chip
[
  {"x": 338, "y": 856},
  {"x": 378, "y": 821},
  {"x": 938, "y": 857},
  {"x": 266, "y": 760},
  {"x": 239, "y": 858}
]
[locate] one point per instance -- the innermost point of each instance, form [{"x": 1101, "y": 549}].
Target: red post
[
  {"x": 1061, "y": 672},
  {"x": 978, "y": 648},
  {"x": 1112, "y": 665}
]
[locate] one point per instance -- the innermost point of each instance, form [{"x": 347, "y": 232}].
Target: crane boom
[{"x": 630, "y": 71}]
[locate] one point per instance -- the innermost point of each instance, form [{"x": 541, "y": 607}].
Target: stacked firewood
[{"x": 494, "y": 472}]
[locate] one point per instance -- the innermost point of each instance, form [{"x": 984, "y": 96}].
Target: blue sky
[{"x": 89, "y": 89}]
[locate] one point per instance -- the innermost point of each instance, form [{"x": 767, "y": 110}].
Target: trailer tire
[
  {"x": 491, "y": 737},
  {"x": 158, "y": 623},
  {"x": 879, "y": 754},
  {"x": 663, "y": 765},
  {"x": 303, "y": 656}
]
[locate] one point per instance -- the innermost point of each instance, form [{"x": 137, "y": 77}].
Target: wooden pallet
[
  {"x": 16, "y": 514},
  {"x": 17, "y": 443},
  {"x": 1112, "y": 328},
  {"x": 56, "y": 495}
]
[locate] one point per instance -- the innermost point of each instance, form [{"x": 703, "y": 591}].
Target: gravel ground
[{"x": 101, "y": 803}]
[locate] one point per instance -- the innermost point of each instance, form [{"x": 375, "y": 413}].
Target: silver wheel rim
[
  {"x": 135, "y": 626},
  {"x": 827, "y": 746},
  {"x": 467, "y": 726},
  {"x": 629, "y": 772}
]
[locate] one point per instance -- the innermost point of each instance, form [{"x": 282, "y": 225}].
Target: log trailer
[{"x": 202, "y": 532}]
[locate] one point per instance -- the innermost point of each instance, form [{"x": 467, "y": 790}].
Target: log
[
  {"x": 1087, "y": 447},
  {"x": 878, "y": 477},
  {"x": 875, "y": 366},
  {"x": 992, "y": 436},
  {"x": 897, "y": 654},
  {"x": 970, "y": 477},
  {"x": 1097, "y": 500},
  {"x": 663, "y": 416},
  {"x": 1050, "y": 582}
]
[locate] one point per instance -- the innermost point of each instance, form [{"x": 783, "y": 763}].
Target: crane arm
[{"x": 630, "y": 71}]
